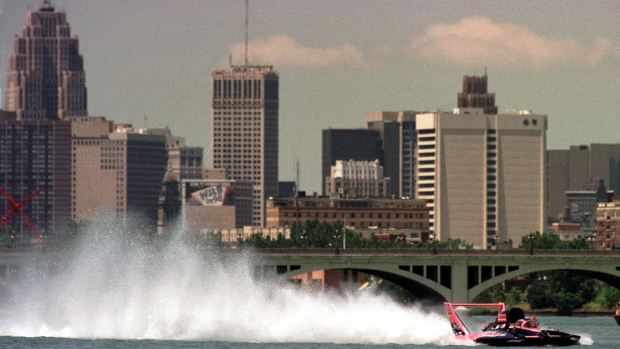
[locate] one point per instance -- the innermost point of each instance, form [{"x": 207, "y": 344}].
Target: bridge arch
[
  {"x": 415, "y": 284},
  {"x": 608, "y": 276}
]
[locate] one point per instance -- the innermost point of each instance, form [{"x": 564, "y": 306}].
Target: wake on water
[{"x": 115, "y": 286}]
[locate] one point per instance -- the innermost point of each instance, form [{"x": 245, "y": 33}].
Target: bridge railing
[
  {"x": 426, "y": 251},
  {"x": 394, "y": 251}
]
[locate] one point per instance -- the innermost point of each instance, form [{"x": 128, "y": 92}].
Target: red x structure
[{"x": 17, "y": 207}]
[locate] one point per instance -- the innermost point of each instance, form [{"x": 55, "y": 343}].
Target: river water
[
  {"x": 600, "y": 332},
  {"x": 116, "y": 292}
]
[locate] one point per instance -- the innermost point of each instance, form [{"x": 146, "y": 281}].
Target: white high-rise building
[
  {"x": 245, "y": 130},
  {"x": 483, "y": 175}
]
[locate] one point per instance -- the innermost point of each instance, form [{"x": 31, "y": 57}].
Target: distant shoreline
[
  {"x": 576, "y": 313},
  {"x": 547, "y": 312}
]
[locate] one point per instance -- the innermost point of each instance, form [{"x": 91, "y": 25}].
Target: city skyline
[{"x": 356, "y": 58}]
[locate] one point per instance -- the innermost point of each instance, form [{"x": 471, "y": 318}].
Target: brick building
[
  {"x": 355, "y": 213},
  {"x": 608, "y": 225}
]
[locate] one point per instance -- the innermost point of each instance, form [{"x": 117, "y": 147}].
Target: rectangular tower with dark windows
[
  {"x": 35, "y": 158},
  {"x": 245, "y": 130},
  {"x": 398, "y": 136}
]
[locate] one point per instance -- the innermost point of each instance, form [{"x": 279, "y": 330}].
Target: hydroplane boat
[{"x": 510, "y": 328}]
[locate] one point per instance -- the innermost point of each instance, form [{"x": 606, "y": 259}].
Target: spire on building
[
  {"x": 475, "y": 94},
  {"x": 47, "y": 6}
]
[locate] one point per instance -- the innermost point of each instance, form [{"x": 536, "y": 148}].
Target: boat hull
[{"x": 544, "y": 338}]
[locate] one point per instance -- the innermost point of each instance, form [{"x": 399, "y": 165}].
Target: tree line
[
  {"x": 561, "y": 290},
  {"x": 314, "y": 234}
]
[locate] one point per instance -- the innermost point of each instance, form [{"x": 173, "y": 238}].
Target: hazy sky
[{"x": 340, "y": 59}]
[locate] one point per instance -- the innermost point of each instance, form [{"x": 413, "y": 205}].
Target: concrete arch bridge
[{"x": 456, "y": 276}]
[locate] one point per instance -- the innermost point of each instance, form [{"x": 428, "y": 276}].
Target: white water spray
[{"x": 115, "y": 287}]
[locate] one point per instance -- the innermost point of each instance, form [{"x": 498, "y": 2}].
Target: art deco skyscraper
[
  {"x": 245, "y": 130},
  {"x": 475, "y": 94},
  {"x": 46, "y": 74}
]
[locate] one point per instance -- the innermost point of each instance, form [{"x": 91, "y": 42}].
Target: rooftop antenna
[
  {"x": 297, "y": 176},
  {"x": 246, "y": 32}
]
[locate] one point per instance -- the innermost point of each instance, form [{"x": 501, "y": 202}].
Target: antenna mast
[
  {"x": 246, "y": 66},
  {"x": 297, "y": 176},
  {"x": 246, "y": 32}
]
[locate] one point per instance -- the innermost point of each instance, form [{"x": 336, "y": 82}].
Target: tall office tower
[
  {"x": 482, "y": 175},
  {"x": 475, "y": 94},
  {"x": 357, "y": 179},
  {"x": 580, "y": 167},
  {"x": 116, "y": 172},
  {"x": 397, "y": 130},
  {"x": 184, "y": 162},
  {"x": 245, "y": 130},
  {"x": 35, "y": 158},
  {"x": 349, "y": 144},
  {"x": 46, "y": 73}
]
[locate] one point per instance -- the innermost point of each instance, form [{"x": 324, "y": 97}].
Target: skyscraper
[
  {"x": 475, "y": 94},
  {"x": 397, "y": 130},
  {"x": 482, "y": 175},
  {"x": 35, "y": 158},
  {"x": 245, "y": 130},
  {"x": 46, "y": 77}
]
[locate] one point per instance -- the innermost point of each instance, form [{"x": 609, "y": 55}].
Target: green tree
[
  {"x": 537, "y": 295},
  {"x": 579, "y": 243},
  {"x": 68, "y": 236},
  {"x": 450, "y": 244},
  {"x": 7, "y": 238},
  {"x": 256, "y": 240},
  {"x": 491, "y": 295},
  {"x": 551, "y": 241},
  {"x": 514, "y": 296},
  {"x": 563, "y": 290},
  {"x": 566, "y": 302},
  {"x": 607, "y": 296}
]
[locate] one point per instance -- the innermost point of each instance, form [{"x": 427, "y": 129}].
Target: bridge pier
[{"x": 460, "y": 293}]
